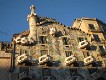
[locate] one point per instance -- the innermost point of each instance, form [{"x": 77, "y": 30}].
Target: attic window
[{"x": 91, "y": 26}]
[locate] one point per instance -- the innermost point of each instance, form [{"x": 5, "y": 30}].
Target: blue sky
[{"x": 13, "y": 13}]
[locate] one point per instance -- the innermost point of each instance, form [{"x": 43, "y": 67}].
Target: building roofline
[{"x": 95, "y": 19}]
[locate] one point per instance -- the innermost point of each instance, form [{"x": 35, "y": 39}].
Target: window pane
[
  {"x": 68, "y": 53},
  {"x": 91, "y": 26},
  {"x": 80, "y": 39},
  {"x": 102, "y": 51},
  {"x": 42, "y": 39},
  {"x": 66, "y": 41},
  {"x": 96, "y": 37},
  {"x": 101, "y": 48}
]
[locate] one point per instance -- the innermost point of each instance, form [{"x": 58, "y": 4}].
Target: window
[
  {"x": 65, "y": 32},
  {"x": 80, "y": 39},
  {"x": 66, "y": 41},
  {"x": 68, "y": 53},
  {"x": 104, "y": 30},
  {"x": 91, "y": 26},
  {"x": 93, "y": 47},
  {"x": 96, "y": 37},
  {"x": 26, "y": 51},
  {"x": 42, "y": 39},
  {"x": 102, "y": 50},
  {"x": 43, "y": 31},
  {"x": 86, "y": 54},
  {"x": 43, "y": 52},
  {"x": 22, "y": 51}
]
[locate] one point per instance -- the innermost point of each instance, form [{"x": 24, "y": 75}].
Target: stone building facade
[{"x": 50, "y": 50}]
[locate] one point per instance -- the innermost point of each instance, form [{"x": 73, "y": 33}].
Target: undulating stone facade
[{"x": 50, "y": 50}]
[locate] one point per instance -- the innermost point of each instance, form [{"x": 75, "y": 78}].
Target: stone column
[{"x": 32, "y": 19}]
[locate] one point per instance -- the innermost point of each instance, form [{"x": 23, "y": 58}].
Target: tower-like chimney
[{"x": 32, "y": 22}]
